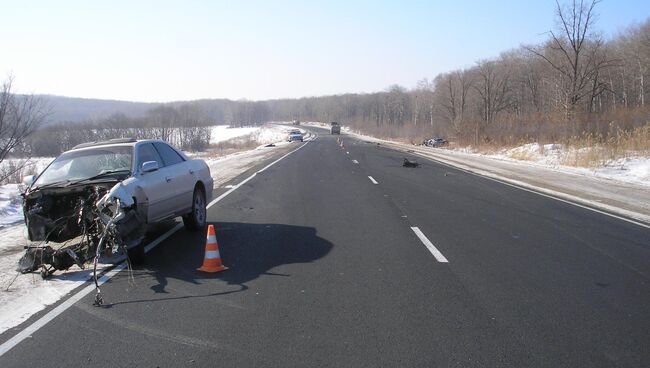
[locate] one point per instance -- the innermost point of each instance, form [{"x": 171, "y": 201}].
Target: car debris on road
[{"x": 410, "y": 163}]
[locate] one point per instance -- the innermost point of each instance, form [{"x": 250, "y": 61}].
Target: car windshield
[{"x": 85, "y": 164}]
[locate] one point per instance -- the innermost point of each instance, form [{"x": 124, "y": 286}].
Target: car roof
[
  {"x": 105, "y": 143},
  {"x": 115, "y": 142}
]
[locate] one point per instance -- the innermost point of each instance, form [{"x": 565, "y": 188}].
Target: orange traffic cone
[{"x": 212, "y": 260}]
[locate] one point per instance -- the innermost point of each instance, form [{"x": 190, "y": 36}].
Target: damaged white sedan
[{"x": 98, "y": 198}]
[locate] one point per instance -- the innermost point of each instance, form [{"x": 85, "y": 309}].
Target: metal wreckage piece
[
  {"x": 91, "y": 220},
  {"x": 410, "y": 163}
]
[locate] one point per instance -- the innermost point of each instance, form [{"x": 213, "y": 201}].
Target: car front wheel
[{"x": 196, "y": 220}]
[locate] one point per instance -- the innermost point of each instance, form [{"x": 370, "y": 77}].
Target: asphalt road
[{"x": 326, "y": 270}]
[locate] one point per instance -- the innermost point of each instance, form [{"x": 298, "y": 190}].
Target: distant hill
[{"x": 73, "y": 109}]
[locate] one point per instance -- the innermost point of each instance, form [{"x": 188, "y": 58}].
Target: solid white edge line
[
  {"x": 372, "y": 179},
  {"x": 427, "y": 243},
  {"x": 572, "y": 200},
  {"x": 29, "y": 330},
  {"x": 552, "y": 194},
  {"x": 49, "y": 316},
  {"x": 224, "y": 195}
]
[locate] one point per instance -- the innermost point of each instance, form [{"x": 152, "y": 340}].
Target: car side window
[
  {"x": 146, "y": 152},
  {"x": 169, "y": 155}
]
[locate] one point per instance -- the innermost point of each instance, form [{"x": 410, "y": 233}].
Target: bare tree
[
  {"x": 164, "y": 121},
  {"x": 20, "y": 116},
  {"x": 575, "y": 52},
  {"x": 493, "y": 87},
  {"x": 453, "y": 95}
]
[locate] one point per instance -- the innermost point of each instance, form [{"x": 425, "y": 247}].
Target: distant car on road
[
  {"x": 335, "y": 128},
  {"x": 295, "y": 135},
  {"x": 435, "y": 142}
]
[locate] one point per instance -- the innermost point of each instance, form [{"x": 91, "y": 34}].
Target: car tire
[
  {"x": 136, "y": 254},
  {"x": 196, "y": 220}
]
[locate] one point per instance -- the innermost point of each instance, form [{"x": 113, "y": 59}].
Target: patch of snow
[
  {"x": 627, "y": 169},
  {"x": 11, "y": 205},
  {"x": 220, "y": 133},
  {"x": 22, "y": 295},
  {"x": 631, "y": 169},
  {"x": 225, "y": 168},
  {"x": 272, "y": 134}
]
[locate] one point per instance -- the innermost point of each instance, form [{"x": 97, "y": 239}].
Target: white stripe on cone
[
  {"x": 212, "y": 239},
  {"x": 212, "y": 254}
]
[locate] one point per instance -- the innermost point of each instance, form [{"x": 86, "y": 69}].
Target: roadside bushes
[{"x": 54, "y": 139}]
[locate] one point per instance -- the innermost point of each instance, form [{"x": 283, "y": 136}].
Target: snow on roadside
[
  {"x": 225, "y": 168},
  {"x": 11, "y": 205},
  {"x": 276, "y": 134},
  {"x": 220, "y": 133},
  {"x": 632, "y": 169},
  {"x": 22, "y": 295}
]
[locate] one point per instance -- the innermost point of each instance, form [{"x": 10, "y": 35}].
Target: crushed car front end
[{"x": 79, "y": 204}]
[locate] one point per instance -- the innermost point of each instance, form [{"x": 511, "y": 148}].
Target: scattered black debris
[
  {"x": 410, "y": 163},
  {"x": 270, "y": 145},
  {"x": 410, "y": 151},
  {"x": 48, "y": 260}
]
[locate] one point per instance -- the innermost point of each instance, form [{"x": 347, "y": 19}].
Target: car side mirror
[
  {"x": 29, "y": 180},
  {"x": 149, "y": 166}
]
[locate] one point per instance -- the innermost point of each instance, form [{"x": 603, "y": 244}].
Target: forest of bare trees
[
  {"x": 575, "y": 84},
  {"x": 185, "y": 126}
]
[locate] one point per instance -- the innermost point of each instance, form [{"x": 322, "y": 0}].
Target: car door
[
  {"x": 158, "y": 190},
  {"x": 180, "y": 175}
]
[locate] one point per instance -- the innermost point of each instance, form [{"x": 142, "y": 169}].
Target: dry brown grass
[
  {"x": 522, "y": 155},
  {"x": 591, "y": 150},
  {"x": 234, "y": 145}
]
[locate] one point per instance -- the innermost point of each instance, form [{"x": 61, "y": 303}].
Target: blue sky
[{"x": 158, "y": 51}]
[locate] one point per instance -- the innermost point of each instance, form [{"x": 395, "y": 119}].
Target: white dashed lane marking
[{"x": 427, "y": 243}]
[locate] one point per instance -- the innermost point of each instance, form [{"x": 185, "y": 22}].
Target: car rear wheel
[{"x": 196, "y": 220}]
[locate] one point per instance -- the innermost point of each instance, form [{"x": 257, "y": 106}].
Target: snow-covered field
[
  {"x": 23, "y": 295},
  {"x": 221, "y": 133}
]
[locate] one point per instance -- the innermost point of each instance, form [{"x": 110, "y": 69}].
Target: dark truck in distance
[{"x": 335, "y": 128}]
